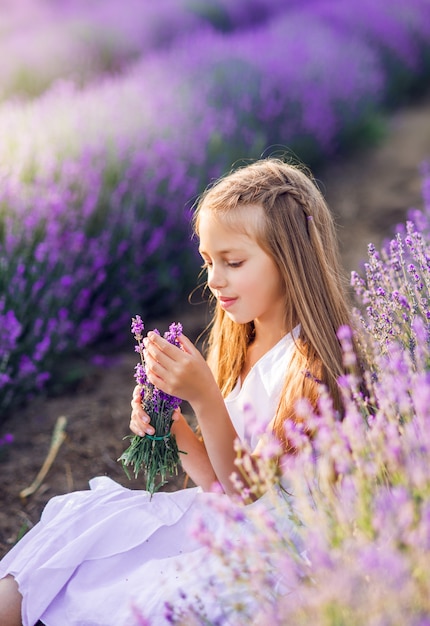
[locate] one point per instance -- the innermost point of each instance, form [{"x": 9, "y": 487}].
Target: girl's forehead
[{"x": 243, "y": 219}]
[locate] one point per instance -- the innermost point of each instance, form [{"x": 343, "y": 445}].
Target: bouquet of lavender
[{"x": 157, "y": 454}]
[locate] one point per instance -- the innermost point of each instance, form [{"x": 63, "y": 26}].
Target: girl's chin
[{"x": 238, "y": 319}]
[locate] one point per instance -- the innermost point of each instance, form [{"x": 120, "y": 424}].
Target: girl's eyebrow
[{"x": 227, "y": 251}]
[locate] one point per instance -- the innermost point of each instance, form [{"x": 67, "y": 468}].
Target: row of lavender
[
  {"x": 43, "y": 41},
  {"x": 357, "y": 546},
  {"x": 98, "y": 179}
]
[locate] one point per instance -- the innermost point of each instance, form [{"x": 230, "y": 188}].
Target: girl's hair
[{"x": 298, "y": 233}]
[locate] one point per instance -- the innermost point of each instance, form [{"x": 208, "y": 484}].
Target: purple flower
[
  {"x": 140, "y": 374},
  {"x": 5, "y": 379},
  {"x": 137, "y": 327},
  {"x": 10, "y": 331},
  {"x": 6, "y": 440},
  {"x": 174, "y": 332}
]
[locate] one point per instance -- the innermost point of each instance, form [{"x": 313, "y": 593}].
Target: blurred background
[{"x": 113, "y": 118}]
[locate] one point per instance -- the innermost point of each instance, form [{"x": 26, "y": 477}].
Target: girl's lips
[{"x": 226, "y": 302}]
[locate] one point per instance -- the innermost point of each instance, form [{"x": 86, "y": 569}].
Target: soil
[{"x": 369, "y": 193}]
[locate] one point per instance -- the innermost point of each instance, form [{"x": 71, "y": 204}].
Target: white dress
[{"x": 98, "y": 556}]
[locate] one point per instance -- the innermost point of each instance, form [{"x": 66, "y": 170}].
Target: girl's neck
[
  {"x": 260, "y": 343},
  {"x": 267, "y": 335}
]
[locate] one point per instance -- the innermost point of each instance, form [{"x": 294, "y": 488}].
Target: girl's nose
[{"x": 216, "y": 278}]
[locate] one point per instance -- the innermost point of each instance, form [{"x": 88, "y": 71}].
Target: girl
[{"x": 268, "y": 244}]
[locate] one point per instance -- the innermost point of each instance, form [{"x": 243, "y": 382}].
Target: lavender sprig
[{"x": 156, "y": 454}]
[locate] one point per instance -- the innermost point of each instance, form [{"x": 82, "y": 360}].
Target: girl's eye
[{"x": 233, "y": 264}]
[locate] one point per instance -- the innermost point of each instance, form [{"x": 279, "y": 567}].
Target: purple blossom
[
  {"x": 10, "y": 330},
  {"x": 140, "y": 374},
  {"x": 137, "y": 327},
  {"x": 5, "y": 379},
  {"x": 6, "y": 440},
  {"x": 155, "y": 400},
  {"x": 173, "y": 334}
]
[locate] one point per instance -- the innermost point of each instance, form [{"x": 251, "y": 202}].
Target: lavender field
[{"x": 111, "y": 123}]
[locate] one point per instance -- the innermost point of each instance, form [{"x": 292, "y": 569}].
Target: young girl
[{"x": 268, "y": 245}]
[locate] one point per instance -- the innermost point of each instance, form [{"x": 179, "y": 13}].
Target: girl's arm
[
  {"x": 218, "y": 435},
  {"x": 195, "y": 462},
  {"x": 184, "y": 373}
]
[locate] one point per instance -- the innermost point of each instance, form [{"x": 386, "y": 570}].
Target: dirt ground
[{"x": 368, "y": 192}]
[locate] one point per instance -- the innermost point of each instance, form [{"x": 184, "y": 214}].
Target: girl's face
[{"x": 241, "y": 275}]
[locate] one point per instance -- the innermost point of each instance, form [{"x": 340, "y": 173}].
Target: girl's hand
[
  {"x": 139, "y": 421},
  {"x": 180, "y": 372}
]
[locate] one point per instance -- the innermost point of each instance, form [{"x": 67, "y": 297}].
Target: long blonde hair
[{"x": 298, "y": 233}]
